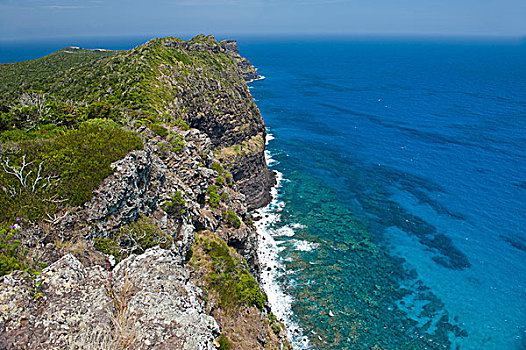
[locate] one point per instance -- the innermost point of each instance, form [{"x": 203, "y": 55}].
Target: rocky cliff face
[
  {"x": 163, "y": 256},
  {"x": 221, "y": 106},
  {"x": 146, "y": 302}
]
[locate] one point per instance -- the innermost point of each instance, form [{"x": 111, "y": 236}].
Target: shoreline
[
  {"x": 271, "y": 268},
  {"x": 260, "y": 77}
]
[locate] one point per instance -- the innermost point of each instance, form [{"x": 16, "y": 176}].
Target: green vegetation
[
  {"x": 159, "y": 129},
  {"x": 249, "y": 220},
  {"x": 274, "y": 324},
  {"x": 213, "y": 196},
  {"x": 177, "y": 142},
  {"x": 254, "y": 145},
  {"x": 232, "y": 219},
  {"x": 217, "y": 167},
  {"x": 133, "y": 238},
  {"x": 42, "y": 72},
  {"x": 13, "y": 254},
  {"x": 225, "y": 273},
  {"x": 176, "y": 205},
  {"x": 129, "y": 81},
  {"x": 39, "y": 176},
  {"x": 34, "y": 111},
  {"x": 11, "y": 251},
  {"x": 220, "y": 181},
  {"x": 225, "y": 343},
  {"x": 229, "y": 179},
  {"x": 224, "y": 176},
  {"x": 181, "y": 124}
]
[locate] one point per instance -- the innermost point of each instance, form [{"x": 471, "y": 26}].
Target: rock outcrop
[
  {"x": 124, "y": 269},
  {"x": 221, "y": 106},
  {"x": 146, "y": 302},
  {"x": 248, "y": 71}
]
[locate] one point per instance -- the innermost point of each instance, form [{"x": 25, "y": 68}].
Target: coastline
[
  {"x": 271, "y": 268},
  {"x": 260, "y": 77}
]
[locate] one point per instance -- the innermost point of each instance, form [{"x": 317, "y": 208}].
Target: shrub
[
  {"x": 63, "y": 114},
  {"x": 159, "y": 129},
  {"x": 181, "y": 124},
  {"x": 225, "y": 343},
  {"x": 175, "y": 205},
  {"x": 232, "y": 219},
  {"x": 213, "y": 196},
  {"x": 220, "y": 181},
  {"x": 101, "y": 110},
  {"x": 225, "y": 274},
  {"x": 11, "y": 251},
  {"x": 82, "y": 157},
  {"x": 6, "y": 121},
  {"x": 248, "y": 220},
  {"x": 133, "y": 238},
  {"x": 229, "y": 179},
  {"x": 177, "y": 142},
  {"x": 70, "y": 168},
  {"x": 217, "y": 167},
  {"x": 43, "y": 132},
  {"x": 164, "y": 149}
]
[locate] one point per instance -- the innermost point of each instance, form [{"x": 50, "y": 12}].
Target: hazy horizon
[{"x": 40, "y": 19}]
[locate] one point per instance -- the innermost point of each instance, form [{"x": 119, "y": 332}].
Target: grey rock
[{"x": 147, "y": 301}]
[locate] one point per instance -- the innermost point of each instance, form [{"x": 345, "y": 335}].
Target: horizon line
[{"x": 449, "y": 36}]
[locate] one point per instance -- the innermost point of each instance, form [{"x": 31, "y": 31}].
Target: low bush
[
  {"x": 177, "y": 142},
  {"x": 232, "y": 219},
  {"x": 213, "y": 196},
  {"x": 225, "y": 343},
  {"x": 220, "y": 181},
  {"x": 226, "y": 274},
  {"x": 181, "y": 124},
  {"x": 133, "y": 238},
  {"x": 217, "y": 167},
  {"x": 175, "y": 205},
  {"x": 159, "y": 129},
  {"x": 38, "y": 176},
  {"x": 11, "y": 251},
  {"x": 13, "y": 254}
]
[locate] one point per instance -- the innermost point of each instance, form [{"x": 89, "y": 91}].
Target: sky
[{"x": 30, "y": 19}]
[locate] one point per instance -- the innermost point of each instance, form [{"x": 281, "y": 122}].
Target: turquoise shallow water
[
  {"x": 422, "y": 146},
  {"x": 399, "y": 220}
]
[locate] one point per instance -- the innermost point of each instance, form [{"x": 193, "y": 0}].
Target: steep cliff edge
[
  {"x": 201, "y": 81},
  {"x": 126, "y": 182}
]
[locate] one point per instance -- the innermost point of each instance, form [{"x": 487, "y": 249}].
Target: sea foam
[{"x": 271, "y": 266}]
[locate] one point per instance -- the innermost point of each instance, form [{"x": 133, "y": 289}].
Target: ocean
[
  {"x": 398, "y": 222},
  {"x": 398, "y": 219}
]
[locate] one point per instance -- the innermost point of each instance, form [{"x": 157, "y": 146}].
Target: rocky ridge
[{"x": 124, "y": 269}]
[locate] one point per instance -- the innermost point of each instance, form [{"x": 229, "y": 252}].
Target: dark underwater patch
[
  {"x": 515, "y": 241},
  {"x": 353, "y": 279}
]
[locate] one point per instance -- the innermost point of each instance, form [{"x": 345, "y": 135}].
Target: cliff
[{"x": 127, "y": 180}]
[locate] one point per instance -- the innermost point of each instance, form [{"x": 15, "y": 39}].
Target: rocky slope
[{"x": 163, "y": 255}]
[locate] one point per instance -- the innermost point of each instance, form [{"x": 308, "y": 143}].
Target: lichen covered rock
[{"x": 147, "y": 302}]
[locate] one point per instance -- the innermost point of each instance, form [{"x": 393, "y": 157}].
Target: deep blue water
[
  {"x": 401, "y": 132},
  {"x": 419, "y": 144}
]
